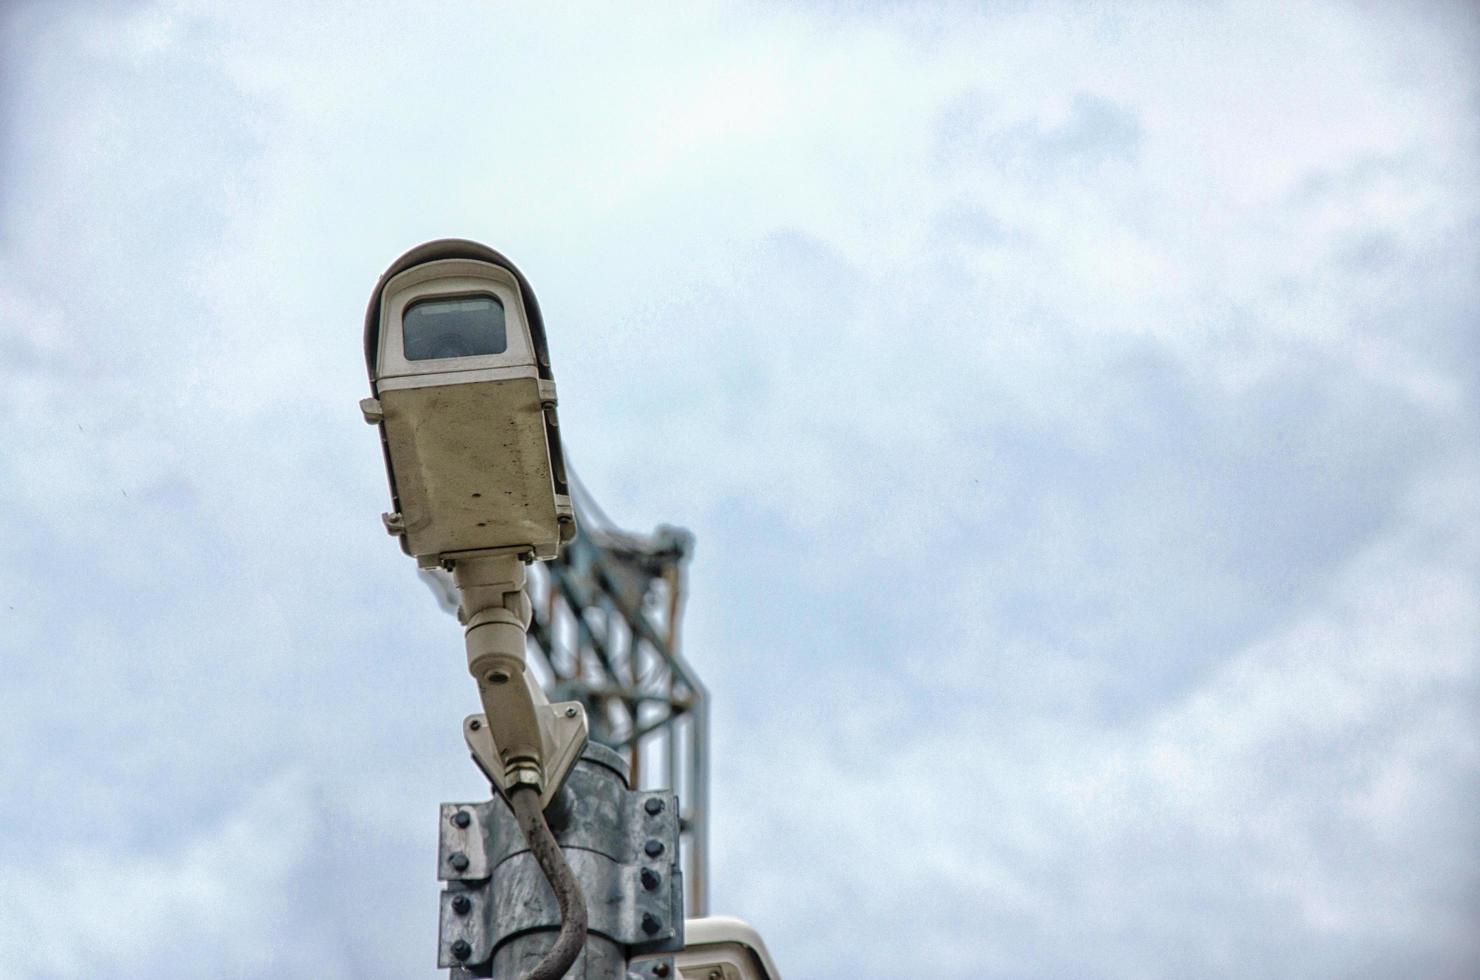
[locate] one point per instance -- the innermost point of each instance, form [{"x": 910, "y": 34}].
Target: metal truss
[{"x": 606, "y": 633}]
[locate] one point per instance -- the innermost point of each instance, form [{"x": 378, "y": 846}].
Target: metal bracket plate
[
  {"x": 622, "y": 845},
  {"x": 563, "y": 732}
]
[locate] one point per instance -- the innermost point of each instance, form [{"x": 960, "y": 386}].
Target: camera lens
[
  {"x": 445, "y": 345},
  {"x": 453, "y": 326}
]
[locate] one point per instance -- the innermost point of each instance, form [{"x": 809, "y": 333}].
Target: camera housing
[{"x": 465, "y": 401}]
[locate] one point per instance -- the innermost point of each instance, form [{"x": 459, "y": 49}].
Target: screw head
[
  {"x": 650, "y": 923},
  {"x": 653, "y": 806},
  {"x": 458, "y": 860},
  {"x": 461, "y": 949},
  {"x": 661, "y": 969},
  {"x": 650, "y": 879},
  {"x": 462, "y": 904},
  {"x": 572, "y": 711},
  {"x": 653, "y": 848},
  {"x": 462, "y": 818},
  {"x": 475, "y": 724}
]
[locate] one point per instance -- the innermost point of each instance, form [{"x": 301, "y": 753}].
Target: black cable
[{"x": 525, "y": 801}]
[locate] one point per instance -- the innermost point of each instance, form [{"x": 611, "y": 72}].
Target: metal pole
[
  {"x": 499, "y": 914},
  {"x": 698, "y": 790}
]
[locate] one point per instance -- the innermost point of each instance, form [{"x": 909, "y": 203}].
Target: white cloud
[{"x": 213, "y": 896}]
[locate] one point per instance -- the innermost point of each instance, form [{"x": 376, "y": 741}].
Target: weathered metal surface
[
  {"x": 652, "y": 968},
  {"x": 622, "y": 846},
  {"x": 473, "y": 466},
  {"x": 462, "y": 833},
  {"x": 470, "y": 927},
  {"x": 619, "y": 907},
  {"x": 602, "y": 959}
]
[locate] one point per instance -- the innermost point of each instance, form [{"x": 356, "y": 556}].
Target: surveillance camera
[{"x": 465, "y": 401}]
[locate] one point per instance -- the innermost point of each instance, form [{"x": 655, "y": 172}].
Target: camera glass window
[{"x": 458, "y": 326}]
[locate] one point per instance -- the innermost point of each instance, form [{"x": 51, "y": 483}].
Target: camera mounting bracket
[
  {"x": 520, "y": 737},
  {"x": 563, "y": 730}
]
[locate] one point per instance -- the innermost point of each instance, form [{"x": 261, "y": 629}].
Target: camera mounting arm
[{"x": 521, "y": 739}]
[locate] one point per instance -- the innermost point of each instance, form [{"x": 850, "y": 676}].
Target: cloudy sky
[{"x": 1076, "y": 408}]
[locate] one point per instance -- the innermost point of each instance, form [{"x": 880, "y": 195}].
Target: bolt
[
  {"x": 458, "y": 860},
  {"x": 650, "y": 879},
  {"x": 461, "y": 949},
  {"x": 462, "y": 818},
  {"x": 572, "y": 711},
  {"x": 650, "y": 924},
  {"x": 462, "y": 904},
  {"x": 660, "y": 969},
  {"x": 475, "y": 724},
  {"x": 653, "y": 806},
  {"x": 653, "y": 848}
]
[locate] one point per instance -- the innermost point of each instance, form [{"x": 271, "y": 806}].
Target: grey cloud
[
  {"x": 978, "y": 129},
  {"x": 977, "y": 226}
]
